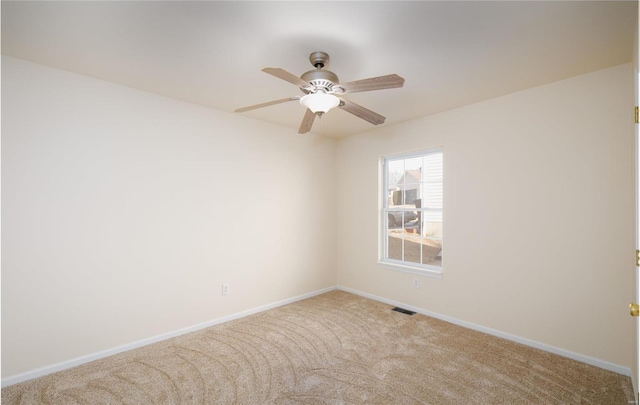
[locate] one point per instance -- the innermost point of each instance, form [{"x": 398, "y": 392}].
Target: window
[{"x": 412, "y": 212}]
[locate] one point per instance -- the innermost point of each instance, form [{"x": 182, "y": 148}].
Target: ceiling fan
[{"x": 322, "y": 92}]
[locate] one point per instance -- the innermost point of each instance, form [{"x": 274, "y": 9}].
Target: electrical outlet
[
  {"x": 225, "y": 289},
  {"x": 416, "y": 283}
]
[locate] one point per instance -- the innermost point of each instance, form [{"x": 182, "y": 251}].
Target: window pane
[
  {"x": 433, "y": 230},
  {"x": 432, "y": 164},
  {"x": 432, "y": 197},
  {"x": 411, "y": 193},
  {"x": 413, "y": 164},
  {"x": 432, "y": 243},
  {"x": 394, "y": 240},
  {"x": 395, "y": 168},
  {"x": 412, "y": 242},
  {"x": 411, "y": 179},
  {"x": 394, "y": 219}
]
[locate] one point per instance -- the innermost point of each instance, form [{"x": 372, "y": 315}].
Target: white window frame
[{"x": 400, "y": 265}]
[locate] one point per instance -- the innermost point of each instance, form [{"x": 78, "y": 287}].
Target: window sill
[{"x": 433, "y": 273}]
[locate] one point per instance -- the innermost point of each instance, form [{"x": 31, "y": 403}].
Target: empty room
[{"x": 216, "y": 202}]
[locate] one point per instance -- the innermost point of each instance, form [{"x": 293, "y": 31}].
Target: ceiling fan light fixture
[{"x": 320, "y": 102}]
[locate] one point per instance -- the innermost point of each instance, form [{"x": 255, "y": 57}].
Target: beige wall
[
  {"x": 539, "y": 214},
  {"x": 123, "y": 212}
]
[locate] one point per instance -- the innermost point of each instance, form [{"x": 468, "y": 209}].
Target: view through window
[{"x": 412, "y": 209}]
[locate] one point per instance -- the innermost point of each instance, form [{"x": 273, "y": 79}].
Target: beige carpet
[{"x": 336, "y": 348}]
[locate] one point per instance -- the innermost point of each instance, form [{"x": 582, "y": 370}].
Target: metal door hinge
[
  {"x": 637, "y": 258},
  {"x": 637, "y": 117}
]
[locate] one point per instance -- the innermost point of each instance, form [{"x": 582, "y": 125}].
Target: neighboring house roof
[{"x": 410, "y": 176}]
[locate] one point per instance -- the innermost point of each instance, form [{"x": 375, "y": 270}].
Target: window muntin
[{"x": 412, "y": 211}]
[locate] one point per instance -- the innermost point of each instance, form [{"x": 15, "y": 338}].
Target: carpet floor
[{"x": 336, "y": 348}]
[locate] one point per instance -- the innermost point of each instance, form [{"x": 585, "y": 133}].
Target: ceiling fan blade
[
  {"x": 267, "y": 104},
  {"x": 361, "y": 112},
  {"x": 307, "y": 122},
  {"x": 284, "y": 75},
  {"x": 373, "y": 83}
]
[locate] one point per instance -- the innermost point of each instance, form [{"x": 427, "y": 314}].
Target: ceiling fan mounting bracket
[{"x": 319, "y": 59}]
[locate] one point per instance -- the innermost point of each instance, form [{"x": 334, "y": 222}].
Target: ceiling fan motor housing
[{"x": 320, "y": 79}]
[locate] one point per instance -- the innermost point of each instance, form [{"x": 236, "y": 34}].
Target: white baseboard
[
  {"x": 29, "y": 375},
  {"x": 551, "y": 349},
  {"x": 110, "y": 352}
]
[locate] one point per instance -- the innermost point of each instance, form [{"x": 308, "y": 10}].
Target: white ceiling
[{"x": 450, "y": 53}]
